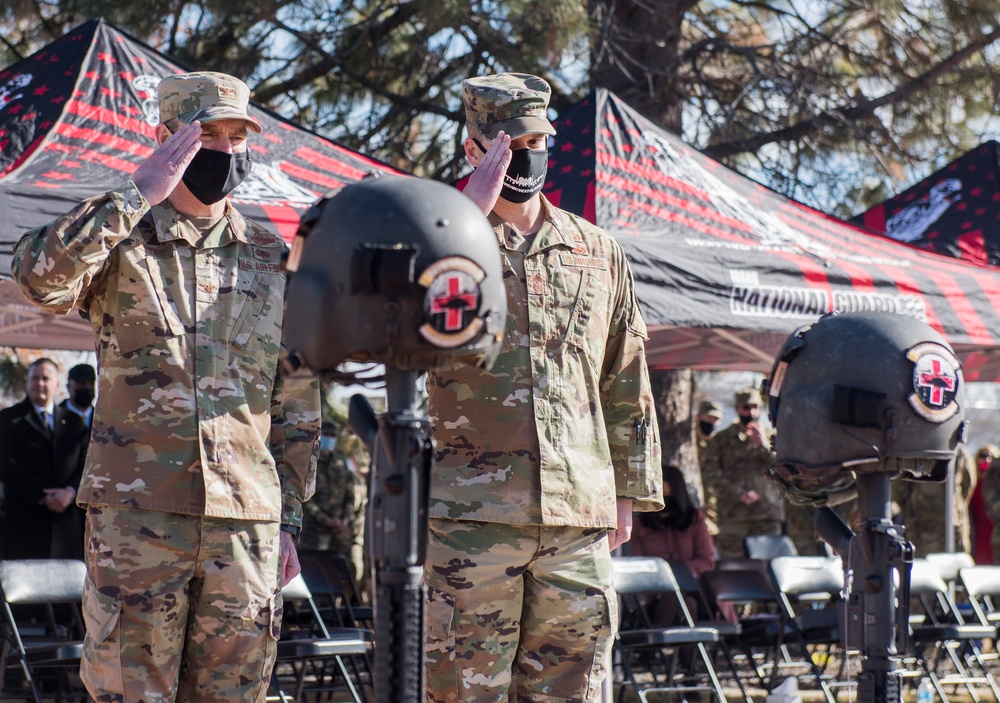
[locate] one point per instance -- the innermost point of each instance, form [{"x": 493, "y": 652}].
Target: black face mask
[
  {"x": 83, "y": 397},
  {"x": 212, "y": 175},
  {"x": 525, "y": 174},
  {"x": 706, "y": 428},
  {"x": 746, "y": 419}
]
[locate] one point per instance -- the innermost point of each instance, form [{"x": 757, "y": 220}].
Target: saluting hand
[
  {"x": 486, "y": 181},
  {"x": 161, "y": 172}
]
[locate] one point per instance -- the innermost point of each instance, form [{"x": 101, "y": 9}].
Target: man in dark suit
[{"x": 42, "y": 448}]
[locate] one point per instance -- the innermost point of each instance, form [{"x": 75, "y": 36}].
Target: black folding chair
[
  {"x": 307, "y": 646},
  {"x": 760, "y": 636},
  {"x": 655, "y": 650},
  {"x": 331, "y": 581},
  {"x": 707, "y": 614},
  {"x": 769, "y": 546},
  {"x": 50, "y": 645}
]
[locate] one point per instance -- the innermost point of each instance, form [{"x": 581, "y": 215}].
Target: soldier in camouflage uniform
[
  {"x": 739, "y": 497},
  {"x": 201, "y": 452},
  {"x": 706, "y": 421},
  {"x": 922, "y": 509},
  {"x": 335, "y": 516},
  {"x": 540, "y": 460}
]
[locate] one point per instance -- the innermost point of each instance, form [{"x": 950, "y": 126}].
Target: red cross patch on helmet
[
  {"x": 936, "y": 377},
  {"x": 451, "y": 303}
]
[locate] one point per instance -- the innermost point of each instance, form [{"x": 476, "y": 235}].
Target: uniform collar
[
  {"x": 552, "y": 233},
  {"x": 172, "y": 225}
]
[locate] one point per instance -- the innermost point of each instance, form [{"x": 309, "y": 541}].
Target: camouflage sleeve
[
  {"x": 317, "y": 507},
  {"x": 295, "y": 429},
  {"x": 55, "y": 264},
  {"x": 627, "y": 401}
]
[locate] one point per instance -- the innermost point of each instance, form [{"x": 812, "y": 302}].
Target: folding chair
[
  {"x": 982, "y": 586},
  {"x": 51, "y": 646},
  {"x": 759, "y": 636},
  {"x": 331, "y": 581},
  {"x": 769, "y": 546},
  {"x": 638, "y": 641},
  {"x": 949, "y": 564},
  {"x": 810, "y": 594},
  {"x": 939, "y": 633},
  {"x": 708, "y": 615},
  {"x": 307, "y": 645}
]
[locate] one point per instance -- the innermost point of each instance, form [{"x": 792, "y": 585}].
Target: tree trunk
[
  {"x": 673, "y": 392},
  {"x": 634, "y": 50}
]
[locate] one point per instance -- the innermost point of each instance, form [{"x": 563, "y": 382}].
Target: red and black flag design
[
  {"x": 725, "y": 269},
  {"x": 954, "y": 211}
]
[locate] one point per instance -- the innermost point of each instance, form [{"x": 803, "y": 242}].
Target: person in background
[
  {"x": 81, "y": 384},
  {"x": 42, "y": 448},
  {"x": 740, "y": 499},
  {"x": 334, "y": 519},
  {"x": 981, "y": 526},
  {"x": 678, "y": 532},
  {"x": 991, "y": 502},
  {"x": 706, "y": 421}
]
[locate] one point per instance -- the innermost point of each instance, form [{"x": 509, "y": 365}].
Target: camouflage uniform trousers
[
  {"x": 179, "y": 607},
  {"x": 524, "y": 611}
]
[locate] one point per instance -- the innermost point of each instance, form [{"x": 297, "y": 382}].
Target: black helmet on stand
[
  {"x": 397, "y": 270},
  {"x": 863, "y": 393}
]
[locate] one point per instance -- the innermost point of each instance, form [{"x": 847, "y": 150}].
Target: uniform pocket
[
  {"x": 144, "y": 313},
  {"x": 439, "y": 645},
  {"x": 100, "y": 668},
  {"x": 605, "y": 642},
  {"x": 588, "y": 323},
  {"x": 257, "y": 331}
]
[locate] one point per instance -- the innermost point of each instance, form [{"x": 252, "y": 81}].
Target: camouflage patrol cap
[
  {"x": 204, "y": 96},
  {"x": 747, "y": 396},
  {"x": 711, "y": 408},
  {"x": 512, "y": 102}
]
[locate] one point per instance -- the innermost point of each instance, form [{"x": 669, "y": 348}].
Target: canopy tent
[
  {"x": 954, "y": 211},
  {"x": 77, "y": 118},
  {"x": 725, "y": 269}
]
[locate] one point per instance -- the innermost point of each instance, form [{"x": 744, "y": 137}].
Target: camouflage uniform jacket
[
  {"x": 732, "y": 464},
  {"x": 193, "y": 416},
  {"x": 564, "y": 423}
]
